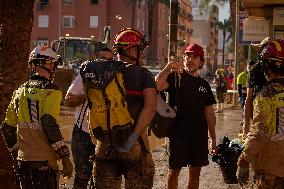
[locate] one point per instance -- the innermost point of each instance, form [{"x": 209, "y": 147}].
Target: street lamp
[{"x": 118, "y": 17}]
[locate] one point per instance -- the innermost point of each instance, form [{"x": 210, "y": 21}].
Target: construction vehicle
[{"x": 74, "y": 51}]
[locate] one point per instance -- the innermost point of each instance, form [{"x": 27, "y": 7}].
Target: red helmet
[
  {"x": 272, "y": 55},
  {"x": 273, "y": 49},
  {"x": 129, "y": 37}
]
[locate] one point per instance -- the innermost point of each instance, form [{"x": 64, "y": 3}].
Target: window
[
  {"x": 43, "y": 21},
  {"x": 40, "y": 41},
  {"x": 94, "y": 21},
  {"x": 143, "y": 25},
  {"x": 138, "y": 23},
  {"x": 68, "y": 22},
  {"x": 94, "y": 1},
  {"x": 67, "y": 2}
]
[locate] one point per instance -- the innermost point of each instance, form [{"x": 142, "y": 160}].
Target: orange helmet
[{"x": 129, "y": 37}]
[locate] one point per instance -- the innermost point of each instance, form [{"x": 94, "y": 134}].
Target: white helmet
[{"x": 42, "y": 55}]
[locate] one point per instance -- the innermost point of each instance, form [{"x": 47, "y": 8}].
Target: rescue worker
[
  {"x": 241, "y": 86},
  {"x": 81, "y": 143},
  {"x": 133, "y": 159},
  {"x": 31, "y": 127},
  {"x": 255, "y": 83},
  {"x": 265, "y": 142}
]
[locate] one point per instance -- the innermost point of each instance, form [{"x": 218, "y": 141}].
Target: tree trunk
[{"x": 16, "y": 19}]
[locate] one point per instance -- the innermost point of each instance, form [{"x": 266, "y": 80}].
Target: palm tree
[{"x": 225, "y": 26}]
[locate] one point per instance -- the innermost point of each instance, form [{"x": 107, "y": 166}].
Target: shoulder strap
[
  {"x": 108, "y": 105},
  {"x": 177, "y": 87},
  {"x": 120, "y": 90},
  {"x": 83, "y": 109}
]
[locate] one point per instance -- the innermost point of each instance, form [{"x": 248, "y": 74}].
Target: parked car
[{"x": 154, "y": 71}]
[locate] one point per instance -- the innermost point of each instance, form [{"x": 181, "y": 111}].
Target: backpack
[
  {"x": 224, "y": 85},
  {"x": 106, "y": 96}
]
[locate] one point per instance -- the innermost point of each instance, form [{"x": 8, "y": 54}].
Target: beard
[{"x": 191, "y": 68}]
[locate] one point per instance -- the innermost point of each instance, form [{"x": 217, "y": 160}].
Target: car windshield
[{"x": 154, "y": 71}]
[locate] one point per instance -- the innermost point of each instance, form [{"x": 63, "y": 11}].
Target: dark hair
[
  {"x": 104, "y": 49},
  {"x": 251, "y": 63}
]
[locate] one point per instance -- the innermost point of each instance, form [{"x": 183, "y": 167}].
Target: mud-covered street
[{"x": 228, "y": 124}]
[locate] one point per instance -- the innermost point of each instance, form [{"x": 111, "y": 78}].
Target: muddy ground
[{"x": 228, "y": 124}]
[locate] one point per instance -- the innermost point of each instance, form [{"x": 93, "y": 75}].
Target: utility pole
[
  {"x": 173, "y": 25},
  {"x": 235, "y": 94}
]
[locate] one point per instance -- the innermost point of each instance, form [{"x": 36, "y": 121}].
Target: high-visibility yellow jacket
[
  {"x": 29, "y": 103},
  {"x": 264, "y": 147}
]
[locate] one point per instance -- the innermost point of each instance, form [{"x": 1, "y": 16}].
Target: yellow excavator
[{"x": 74, "y": 51}]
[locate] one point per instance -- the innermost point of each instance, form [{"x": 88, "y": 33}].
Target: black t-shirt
[
  {"x": 194, "y": 94},
  {"x": 136, "y": 80},
  {"x": 256, "y": 79}
]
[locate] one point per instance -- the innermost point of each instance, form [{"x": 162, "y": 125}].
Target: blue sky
[{"x": 224, "y": 12}]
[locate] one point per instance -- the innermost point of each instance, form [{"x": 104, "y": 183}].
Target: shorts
[{"x": 186, "y": 151}]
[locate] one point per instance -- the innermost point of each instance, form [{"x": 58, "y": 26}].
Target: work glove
[
  {"x": 129, "y": 143},
  {"x": 241, "y": 99},
  {"x": 243, "y": 172},
  {"x": 67, "y": 167}
]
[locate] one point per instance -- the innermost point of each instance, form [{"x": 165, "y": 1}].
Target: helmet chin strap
[
  {"x": 51, "y": 72},
  {"x": 136, "y": 59}
]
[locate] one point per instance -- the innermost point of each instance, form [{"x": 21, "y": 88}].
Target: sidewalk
[{"x": 228, "y": 124}]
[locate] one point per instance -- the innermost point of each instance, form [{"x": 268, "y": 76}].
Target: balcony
[
  {"x": 182, "y": 27},
  {"x": 261, "y": 8},
  {"x": 190, "y": 16},
  {"x": 42, "y": 5},
  {"x": 190, "y": 31},
  {"x": 181, "y": 43}
]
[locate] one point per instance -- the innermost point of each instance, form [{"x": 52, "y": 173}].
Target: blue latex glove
[{"x": 129, "y": 143}]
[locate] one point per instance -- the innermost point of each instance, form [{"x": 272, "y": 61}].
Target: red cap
[{"x": 195, "y": 50}]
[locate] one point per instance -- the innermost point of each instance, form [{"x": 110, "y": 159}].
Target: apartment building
[
  {"x": 59, "y": 18},
  {"x": 76, "y": 18},
  {"x": 205, "y": 33},
  {"x": 185, "y": 29}
]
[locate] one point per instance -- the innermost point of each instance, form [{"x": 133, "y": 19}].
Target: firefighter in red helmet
[
  {"x": 130, "y": 43},
  {"x": 133, "y": 159},
  {"x": 264, "y": 146}
]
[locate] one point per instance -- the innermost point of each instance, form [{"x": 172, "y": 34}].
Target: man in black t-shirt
[{"x": 193, "y": 98}]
